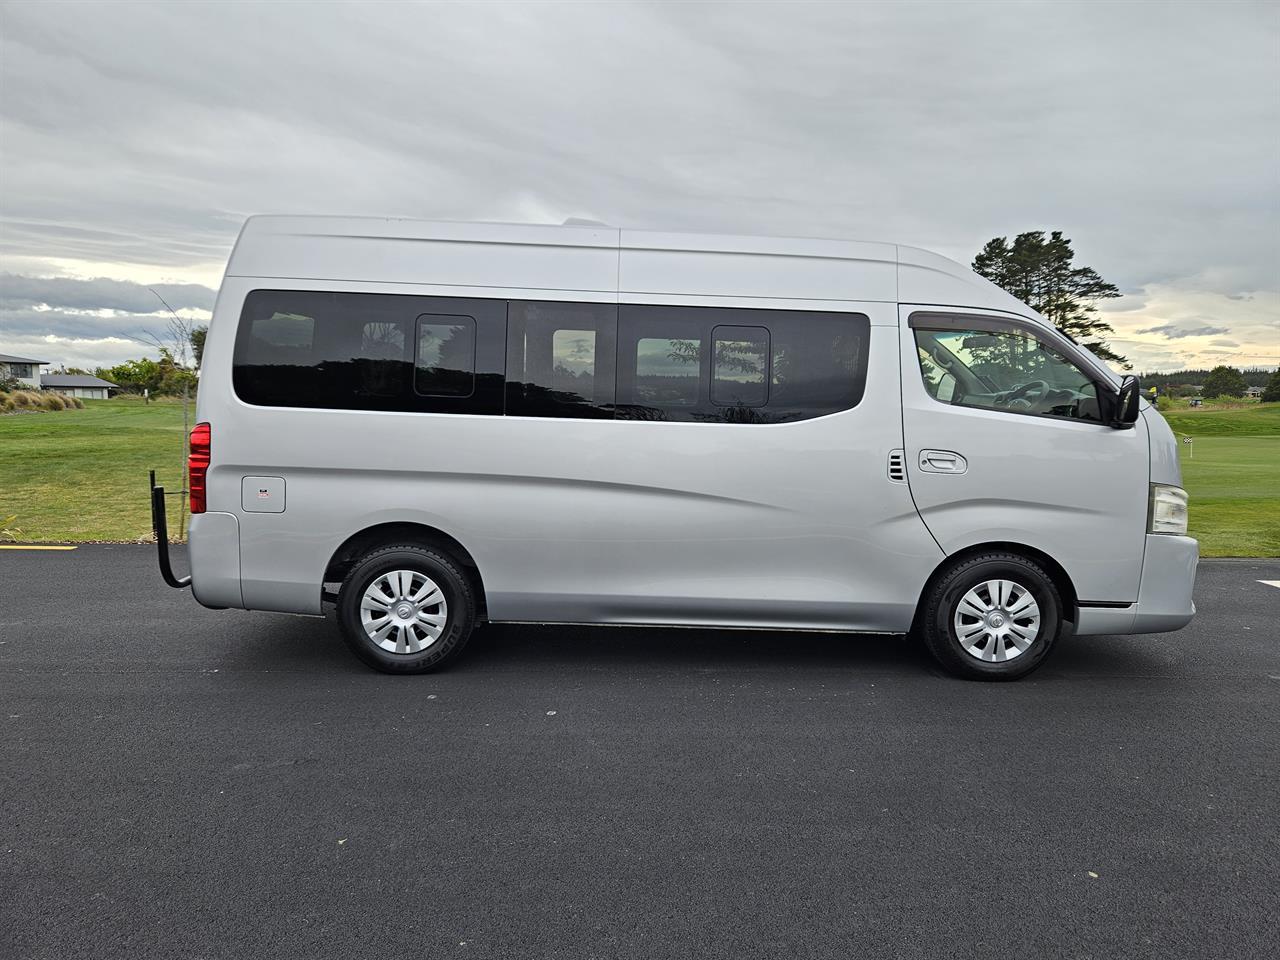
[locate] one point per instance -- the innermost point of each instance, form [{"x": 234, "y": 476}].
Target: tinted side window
[
  {"x": 668, "y": 371},
  {"x": 738, "y": 366},
  {"x": 741, "y": 366},
  {"x": 446, "y": 360},
  {"x": 819, "y": 364},
  {"x": 560, "y": 359},
  {"x": 364, "y": 351},
  {"x": 1009, "y": 370}
]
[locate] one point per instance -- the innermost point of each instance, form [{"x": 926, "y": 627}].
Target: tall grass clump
[{"x": 28, "y": 401}]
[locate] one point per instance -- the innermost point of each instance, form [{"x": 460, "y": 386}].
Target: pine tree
[{"x": 1040, "y": 273}]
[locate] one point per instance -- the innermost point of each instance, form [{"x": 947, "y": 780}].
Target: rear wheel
[
  {"x": 994, "y": 616},
  {"x": 406, "y": 609}
]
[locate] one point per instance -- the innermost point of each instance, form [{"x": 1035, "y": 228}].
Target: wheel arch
[
  {"x": 387, "y": 534},
  {"x": 1055, "y": 570}
]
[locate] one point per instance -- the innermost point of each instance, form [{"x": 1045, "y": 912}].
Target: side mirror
[{"x": 1125, "y": 413}]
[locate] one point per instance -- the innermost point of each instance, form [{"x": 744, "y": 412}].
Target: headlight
[{"x": 1168, "y": 510}]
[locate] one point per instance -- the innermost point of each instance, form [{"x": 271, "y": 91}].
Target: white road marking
[{"x": 1271, "y": 583}]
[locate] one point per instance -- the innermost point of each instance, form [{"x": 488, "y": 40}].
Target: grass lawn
[
  {"x": 1231, "y": 469},
  {"x": 82, "y": 474}
]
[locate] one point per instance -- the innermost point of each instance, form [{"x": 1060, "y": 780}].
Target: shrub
[
  {"x": 26, "y": 400},
  {"x": 1164, "y": 404}
]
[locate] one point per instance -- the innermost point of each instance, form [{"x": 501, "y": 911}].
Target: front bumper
[{"x": 1164, "y": 595}]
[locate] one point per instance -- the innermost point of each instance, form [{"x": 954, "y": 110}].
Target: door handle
[{"x": 942, "y": 461}]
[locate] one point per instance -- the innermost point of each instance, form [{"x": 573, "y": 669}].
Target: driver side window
[{"x": 1006, "y": 369}]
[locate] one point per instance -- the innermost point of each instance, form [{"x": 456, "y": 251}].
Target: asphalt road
[{"x": 179, "y": 782}]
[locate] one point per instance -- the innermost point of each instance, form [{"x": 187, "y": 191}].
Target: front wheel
[
  {"x": 406, "y": 609},
  {"x": 994, "y": 616}
]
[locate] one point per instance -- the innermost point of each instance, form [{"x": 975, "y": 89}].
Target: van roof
[{"x": 589, "y": 258}]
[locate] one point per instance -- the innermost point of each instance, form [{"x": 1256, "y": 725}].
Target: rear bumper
[
  {"x": 213, "y": 544},
  {"x": 1164, "y": 595}
]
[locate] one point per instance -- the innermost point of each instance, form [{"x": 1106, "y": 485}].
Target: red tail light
[{"x": 198, "y": 465}]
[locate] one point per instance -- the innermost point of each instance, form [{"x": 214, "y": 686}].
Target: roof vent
[{"x": 897, "y": 466}]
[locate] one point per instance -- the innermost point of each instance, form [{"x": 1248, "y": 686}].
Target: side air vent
[{"x": 898, "y": 466}]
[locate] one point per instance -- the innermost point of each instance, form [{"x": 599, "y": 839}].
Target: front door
[{"x": 1005, "y": 444}]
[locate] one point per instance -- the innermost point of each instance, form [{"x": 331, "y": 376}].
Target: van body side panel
[
  {"x": 788, "y": 525},
  {"x": 784, "y": 525},
  {"x": 1072, "y": 489}
]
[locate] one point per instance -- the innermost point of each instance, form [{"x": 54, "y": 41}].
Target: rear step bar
[{"x": 160, "y": 527}]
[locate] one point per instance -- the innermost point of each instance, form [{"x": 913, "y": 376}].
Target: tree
[
  {"x": 1224, "y": 382},
  {"x": 1040, "y": 273},
  {"x": 1272, "y": 392},
  {"x": 197, "y": 343},
  {"x": 133, "y": 376}
]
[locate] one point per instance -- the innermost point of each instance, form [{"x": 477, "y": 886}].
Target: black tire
[
  {"x": 940, "y": 603},
  {"x": 453, "y": 584}
]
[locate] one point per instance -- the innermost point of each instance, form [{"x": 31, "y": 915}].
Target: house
[
  {"x": 22, "y": 368},
  {"x": 1253, "y": 392},
  {"x": 77, "y": 385}
]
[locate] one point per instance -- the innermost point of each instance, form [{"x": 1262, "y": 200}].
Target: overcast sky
[{"x": 134, "y": 138}]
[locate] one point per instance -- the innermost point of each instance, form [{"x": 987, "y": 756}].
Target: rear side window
[
  {"x": 358, "y": 351},
  {"x": 713, "y": 364},
  {"x": 560, "y": 359}
]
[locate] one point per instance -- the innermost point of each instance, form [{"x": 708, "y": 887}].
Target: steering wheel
[{"x": 1026, "y": 395}]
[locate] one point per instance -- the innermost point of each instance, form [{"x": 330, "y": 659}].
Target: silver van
[{"x": 430, "y": 425}]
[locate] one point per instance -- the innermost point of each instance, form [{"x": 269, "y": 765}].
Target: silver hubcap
[
  {"x": 997, "y": 620},
  {"x": 403, "y": 611}
]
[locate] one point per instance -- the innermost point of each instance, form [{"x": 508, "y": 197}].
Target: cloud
[
  {"x": 800, "y": 119},
  {"x": 101, "y": 294},
  {"x": 1144, "y": 337},
  {"x": 769, "y": 119},
  {"x": 16, "y": 324},
  {"x": 1173, "y": 331}
]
